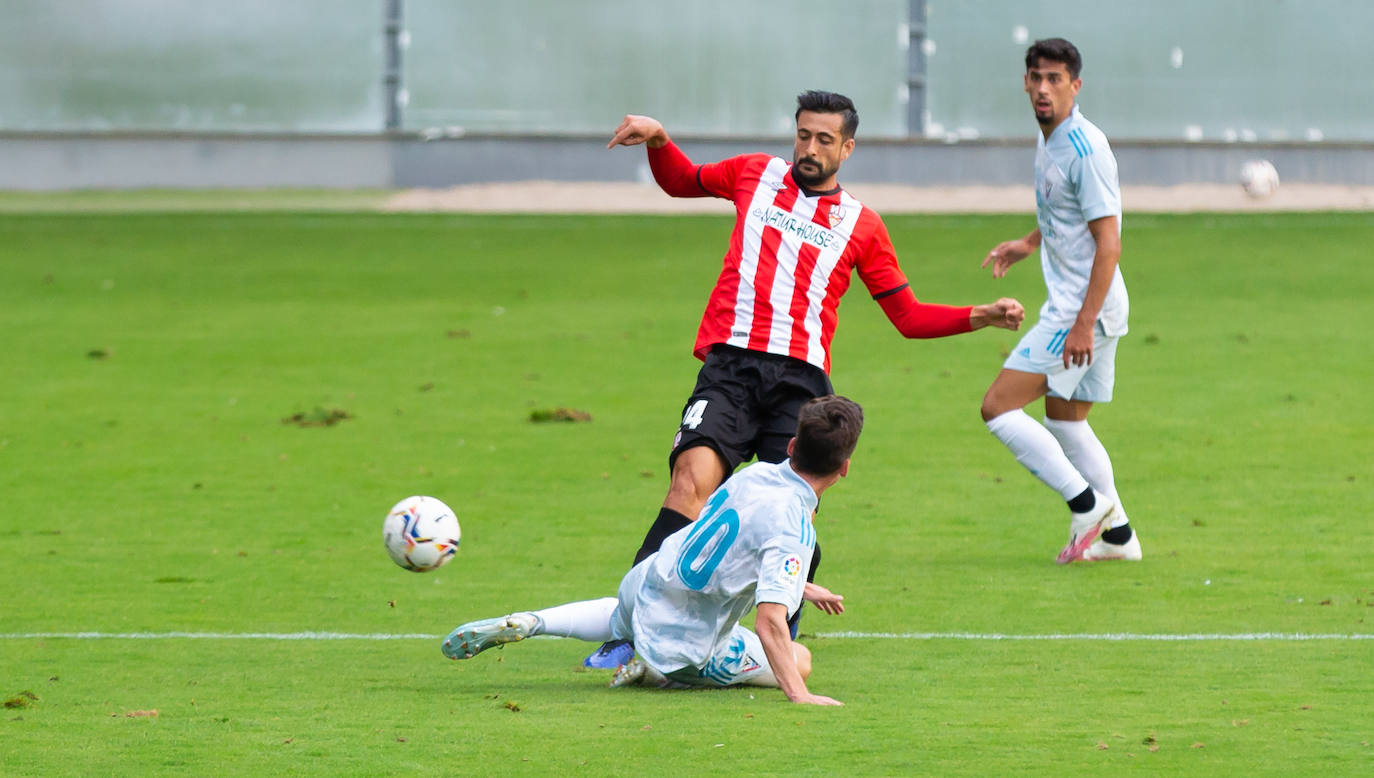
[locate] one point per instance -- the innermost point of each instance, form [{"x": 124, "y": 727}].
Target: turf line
[
  {"x": 980, "y": 636},
  {"x": 217, "y": 636},
  {"x": 1100, "y": 636}
]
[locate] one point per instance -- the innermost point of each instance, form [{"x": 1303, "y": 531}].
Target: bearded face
[{"x": 819, "y": 149}]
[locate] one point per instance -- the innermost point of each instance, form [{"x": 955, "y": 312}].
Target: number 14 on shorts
[{"x": 695, "y": 414}]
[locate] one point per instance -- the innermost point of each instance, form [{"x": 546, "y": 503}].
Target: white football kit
[
  {"x": 752, "y": 543},
  {"x": 1075, "y": 183}
]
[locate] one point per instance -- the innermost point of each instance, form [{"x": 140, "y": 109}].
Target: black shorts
[{"x": 745, "y": 404}]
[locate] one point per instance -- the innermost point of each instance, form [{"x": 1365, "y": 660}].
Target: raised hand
[{"x": 635, "y": 129}]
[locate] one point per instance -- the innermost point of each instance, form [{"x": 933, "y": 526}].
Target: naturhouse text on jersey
[{"x": 808, "y": 231}]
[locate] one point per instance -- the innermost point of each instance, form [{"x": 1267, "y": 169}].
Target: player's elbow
[{"x": 676, "y": 182}]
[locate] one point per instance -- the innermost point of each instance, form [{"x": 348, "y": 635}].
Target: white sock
[
  {"x": 1087, "y": 453},
  {"x": 588, "y": 620},
  {"x": 1038, "y": 451}
]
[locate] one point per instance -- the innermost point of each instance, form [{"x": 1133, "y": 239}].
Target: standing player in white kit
[{"x": 1069, "y": 357}]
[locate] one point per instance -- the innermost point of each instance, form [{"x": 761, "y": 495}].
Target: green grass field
[{"x": 151, "y": 486}]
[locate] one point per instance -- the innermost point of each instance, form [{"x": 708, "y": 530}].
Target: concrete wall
[{"x": 43, "y": 162}]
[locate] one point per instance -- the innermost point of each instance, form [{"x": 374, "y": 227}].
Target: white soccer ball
[
  {"x": 1259, "y": 178},
  {"x": 421, "y": 533}
]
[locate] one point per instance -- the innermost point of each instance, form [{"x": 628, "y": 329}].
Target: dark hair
[
  {"x": 827, "y": 431},
  {"x": 830, "y": 102},
  {"x": 1055, "y": 50}
]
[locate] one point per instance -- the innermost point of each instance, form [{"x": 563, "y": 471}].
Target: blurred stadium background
[{"x": 393, "y": 94}]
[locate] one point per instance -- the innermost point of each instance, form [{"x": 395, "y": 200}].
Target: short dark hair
[
  {"x": 827, "y": 431},
  {"x": 1055, "y": 50},
  {"x": 830, "y": 102}
]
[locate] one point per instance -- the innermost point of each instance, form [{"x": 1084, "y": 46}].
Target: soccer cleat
[
  {"x": 637, "y": 672},
  {"x": 629, "y": 674},
  {"x": 1101, "y": 550},
  {"x": 1084, "y": 528},
  {"x": 475, "y": 637},
  {"x": 612, "y": 654}
]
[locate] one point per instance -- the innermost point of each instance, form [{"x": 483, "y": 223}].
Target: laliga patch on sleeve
[{"x": 791, "y": 566}]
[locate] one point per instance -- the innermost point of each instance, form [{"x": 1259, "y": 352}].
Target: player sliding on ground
[
  {"x": 681, "y": 606},
  {"x": 799, "y": 239}
]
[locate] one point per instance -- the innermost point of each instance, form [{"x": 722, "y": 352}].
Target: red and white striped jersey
[{"x": 790, "y": 259}]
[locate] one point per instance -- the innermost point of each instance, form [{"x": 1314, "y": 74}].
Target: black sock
[
  {"x": 1083, "y": 502},
  {"x": 668, "y": 522},
  {"x": 794, "y": 620},
  {"x": 1118, "y": 535}
]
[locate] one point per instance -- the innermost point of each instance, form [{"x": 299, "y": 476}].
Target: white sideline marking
[
  {"x": 218, "y": 636},
  {"x": 989, "y": 636},
  {"x": 1100, "y": 636}
]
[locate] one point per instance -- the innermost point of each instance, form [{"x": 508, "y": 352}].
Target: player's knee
[
  {"x": 1000, "y": 400},
  {"x": 696, "y": 473},
  {"x": 990, "y": 409},
  {"x": 684, "y": 493},
  {"x": 803, "y": 656}
]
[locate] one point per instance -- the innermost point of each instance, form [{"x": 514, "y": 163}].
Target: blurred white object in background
[{"x": 1259, "y": 178}]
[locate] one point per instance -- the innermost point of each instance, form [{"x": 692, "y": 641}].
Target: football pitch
[{"x": 205, "y": 416}]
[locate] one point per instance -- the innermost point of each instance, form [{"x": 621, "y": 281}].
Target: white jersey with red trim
[{"x": 790, "y": 259}]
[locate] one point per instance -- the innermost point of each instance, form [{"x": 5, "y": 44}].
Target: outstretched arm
[
  {"x": 915, "y": 319},
  {"x": 771, "y": 626},
  {"x": 887, "y": 283}
]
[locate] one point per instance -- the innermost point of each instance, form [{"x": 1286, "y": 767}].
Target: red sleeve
[
  {"x": 887, "y": 283},
  {"x": 916, "y": 319},
  {"x": 677, "y": 176}
]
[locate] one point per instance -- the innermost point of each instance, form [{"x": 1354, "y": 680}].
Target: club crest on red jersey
[{"x": 837, "y": 214}]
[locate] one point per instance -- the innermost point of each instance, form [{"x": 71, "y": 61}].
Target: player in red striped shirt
[{"x": 765, "y": 336}]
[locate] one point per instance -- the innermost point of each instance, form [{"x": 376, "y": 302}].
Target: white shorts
[
  {"x": 741, "y": 660},
  {"x": 1041, "y": 351}
]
